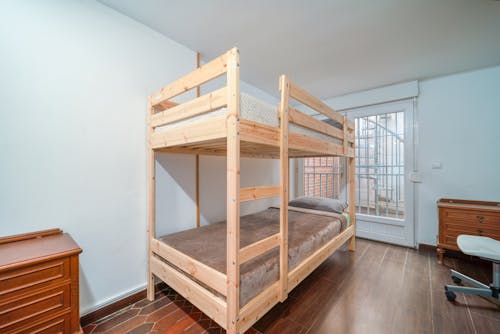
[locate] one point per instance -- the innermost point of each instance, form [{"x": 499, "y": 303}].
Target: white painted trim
[
  {"x": 385, "y": 94},
  {"x": 407, "y": 106}
]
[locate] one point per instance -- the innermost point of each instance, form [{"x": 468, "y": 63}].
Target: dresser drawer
[
  {"x": 29, "y": 309},
  {"x": 449, "y": 237},
  {"x": 466, "y": 217},
  {"x": 59, "y": 325},
  {"x": 34, "y": 277}
]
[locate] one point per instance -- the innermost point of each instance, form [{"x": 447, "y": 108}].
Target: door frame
[{"x": 408, "y": 237}]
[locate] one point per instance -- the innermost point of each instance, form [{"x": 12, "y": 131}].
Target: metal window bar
[
  {"x": 322, "y": 177},
  {"x": 380, "y": 169}
]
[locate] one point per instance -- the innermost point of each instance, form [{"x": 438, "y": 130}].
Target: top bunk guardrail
[
  {"x": 258, "y": 139},
  {"x": 344, "y": 133}
]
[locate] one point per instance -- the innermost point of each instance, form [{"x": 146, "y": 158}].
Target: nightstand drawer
[
  {"x": 29, "y": 309},
  {"x": 34, "y": 277}
]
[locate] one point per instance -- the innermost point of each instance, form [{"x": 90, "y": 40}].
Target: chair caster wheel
[
  {"x": 450, "y": 295},
  {"x": 456, "y": 280}
]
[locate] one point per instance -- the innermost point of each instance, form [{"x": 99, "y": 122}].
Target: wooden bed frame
[{"x": 230, "y": 136}]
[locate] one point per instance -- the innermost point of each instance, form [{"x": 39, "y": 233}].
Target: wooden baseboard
[
  {"x": 427, "y": 247},
  {"x": 92, "y": 317}
]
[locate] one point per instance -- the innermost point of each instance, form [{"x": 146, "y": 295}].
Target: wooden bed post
[
  {"x": 233, "y": 192},
  {"x": 197, "y": 160},
  {"x": 284, "y": 196},
  {"x": 151, "y": 204},
  {"x": 352, "y": 205}
]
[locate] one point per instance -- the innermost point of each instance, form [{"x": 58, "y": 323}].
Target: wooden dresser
[
  {"x": 39, "y": 283},
  {"x": 465, "y": 217}
]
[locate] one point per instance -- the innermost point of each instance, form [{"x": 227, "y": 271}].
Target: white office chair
[{"x": 483, "y": 247}]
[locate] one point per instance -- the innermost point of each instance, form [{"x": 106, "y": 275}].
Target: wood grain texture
[
  {"x": 151, "y": 172},
  {"x": 465, "y": 217},
  {"x": 233, "y": 193},
  {"x": 39, "y": 284},
  {"x": 207, "y": 72},
  {"x": 284, "y": 184},
  {"x": 380, "y": 288}
]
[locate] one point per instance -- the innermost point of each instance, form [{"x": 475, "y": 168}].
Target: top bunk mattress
[
  {"x": 308, "y": 231},
  {"x": 255, "y": 110}
]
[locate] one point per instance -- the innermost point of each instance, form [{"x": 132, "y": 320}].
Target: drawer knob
[{"x": 480, "y": 232}]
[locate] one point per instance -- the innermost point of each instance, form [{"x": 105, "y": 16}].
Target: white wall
[
  {"x": 74, "y": 81},
  {"x": 458, "y": 120}
]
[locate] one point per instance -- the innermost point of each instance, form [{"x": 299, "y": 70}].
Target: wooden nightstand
[
  {"x": 465, "y": 217},
  {"x": 39, "y": 290}
]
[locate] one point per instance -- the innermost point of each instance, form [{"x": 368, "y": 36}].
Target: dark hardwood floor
[{"x": 379, "y": 288}]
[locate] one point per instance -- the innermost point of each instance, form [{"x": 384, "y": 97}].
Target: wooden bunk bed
[{"x": 182, "y": 128}]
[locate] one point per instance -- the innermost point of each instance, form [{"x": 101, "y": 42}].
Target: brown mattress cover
[{"x": 308, "y": 231}]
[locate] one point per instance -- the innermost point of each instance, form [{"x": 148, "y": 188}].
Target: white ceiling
[{"x": 331, "y": 47}]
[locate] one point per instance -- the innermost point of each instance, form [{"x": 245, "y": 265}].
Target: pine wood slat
[
  {"x": 259, "y": 306},
  {"x": 151, "y": 202},
  {"x": 299, "y": 118},
  {"x": 258, "y": 248},
  {"x": 197, "y": 161},
  {"x": 233, "y": 193},
  {"x": 284, "y": 184},
  {"x": 312, "y": 102},
  {"x": 255, "y": 193},
  {"x": 322, "y": 147},
  {"x": 209, "y": 276},
  {"x": 207, "y": 72},
  {"x": 312, "y": 262},
  {"x": 352, "y": 201},
  {"x": 199, "y": 106},
  {"x": 200, "y": 297},
  {"x": 259, "y": 133},
  {"x": 204, "y": 130}
]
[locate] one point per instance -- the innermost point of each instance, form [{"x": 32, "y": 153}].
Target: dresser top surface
[
  {"x": 468, "y": 205},
  {"x": 45, "y": 248}
]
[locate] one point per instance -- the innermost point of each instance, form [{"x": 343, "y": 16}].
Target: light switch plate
[{"x": 437, "y": 165}]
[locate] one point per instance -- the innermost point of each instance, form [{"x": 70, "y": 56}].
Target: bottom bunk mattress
[{"x": 308, "y": 230}]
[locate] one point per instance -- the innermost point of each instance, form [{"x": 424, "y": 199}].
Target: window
[
  {"x": 379, "y": 168},
  {"x": 323, "y": 177}
]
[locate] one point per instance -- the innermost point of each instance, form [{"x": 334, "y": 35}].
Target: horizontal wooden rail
[
  {"x": 258, "y": 306},
  {"x": 312, "y": 262},
  {"x": 199, "y": 106},
  {"x": 212, "y": 306},
  {"x": 200, "y": 131},
  {"x": 259, "y": 133},
  {"x": 297, "y": 117},
  {"x": 312, "y": 102},
  {"x": 258, "y": 248},
  {"x": 310, "y": 144},
  {"x": 209, "y": 276},
  {"x": 254, "y": 193},
  {"x": 207, "y": 72}
]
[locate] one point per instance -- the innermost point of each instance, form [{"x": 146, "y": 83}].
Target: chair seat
[{"x": 484, "y": 247}]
